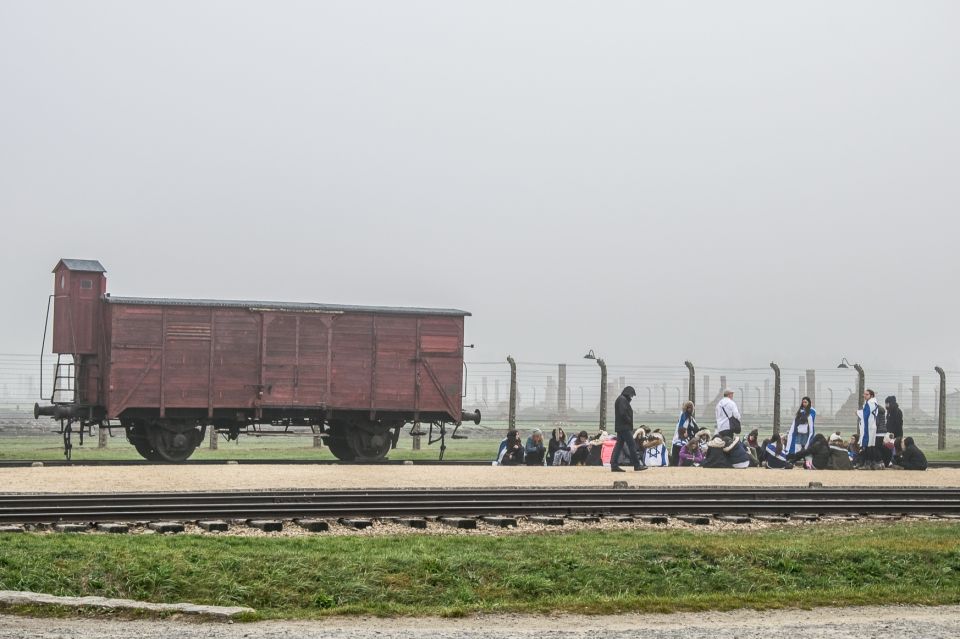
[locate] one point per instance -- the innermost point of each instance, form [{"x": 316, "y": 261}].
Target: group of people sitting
[{"x": 874, "y": 446}]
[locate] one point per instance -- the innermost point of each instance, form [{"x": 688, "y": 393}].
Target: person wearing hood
[
  {"x": 655, "y": 451},
  {"x": 715, "y": 457},
  {"x": 802, "y": 429},
  {"x": 737, "y": 454},
  {"x": 894, "y": 427},
  {"x": 623, "y": 423},
  {"x": 686, "y": 428},
  {"x": 534, "y": 451},
  {"x": 867, "y": 418},
  {"x": 839, "y": 456}
]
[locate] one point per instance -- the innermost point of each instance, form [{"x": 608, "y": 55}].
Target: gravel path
[
  {"x": 827, "y": 623},
  {"x": 154, "y": 478}
]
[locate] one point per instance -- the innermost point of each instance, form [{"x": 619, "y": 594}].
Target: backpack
[{"x": 881, "y": 419}]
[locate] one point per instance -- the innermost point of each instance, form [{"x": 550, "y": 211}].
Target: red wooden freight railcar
[{"x": 168, "y": 369}]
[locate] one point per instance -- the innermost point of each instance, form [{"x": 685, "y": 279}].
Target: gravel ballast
[
  {"x": 822, "y": 623},
  {"x": 252, "y": 477}
]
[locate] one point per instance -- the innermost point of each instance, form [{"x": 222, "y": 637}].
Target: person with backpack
[
  {"x": 802, "y": 429},
  {"x": 728, "y": 416},
  {"x": 869, "y": 417},
  {"x": 894, "y": 427}
]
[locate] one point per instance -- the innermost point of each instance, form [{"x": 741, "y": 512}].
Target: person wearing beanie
[
  {"x": 894, "y": 427},
  {"x": 623, "y": 422},
  {"x": 839, "y": 456}
]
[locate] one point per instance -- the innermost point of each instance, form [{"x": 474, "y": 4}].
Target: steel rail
[
  {"x": 22, "y": 463},
  {"x": 138, "y": 507}
]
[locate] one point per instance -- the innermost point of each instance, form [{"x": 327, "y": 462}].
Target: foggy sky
[{"x": 726, "y": 182}]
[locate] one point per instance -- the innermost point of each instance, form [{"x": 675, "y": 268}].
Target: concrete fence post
[
  {"x": 861, "y": 383},
  {"x": 812, "y": 386},
  {"x": 214, "y": 440},
  {"x": 562, "y": 390},
  {"x": 942, "y": 410},
  {"x": 101, "y": 438},
  {"x": 692, "y": 383},
  {"x": 512, "y": 414},
  {"x": 603, "y": 393},
  {"x": 776, "y": 398}
]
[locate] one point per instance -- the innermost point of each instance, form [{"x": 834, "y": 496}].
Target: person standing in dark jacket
[
  {"x": 894, "y": 427},
  {"x": 623, "y": 422}
]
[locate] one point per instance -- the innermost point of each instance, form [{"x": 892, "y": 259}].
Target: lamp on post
[
  {"x": 603, "y": 386},
  {"x": 861, "y": 377}
]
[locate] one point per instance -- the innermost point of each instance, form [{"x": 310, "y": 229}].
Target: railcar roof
[
  {"x": 92, "y": 266},
  {"x": 305, "y": 307}
]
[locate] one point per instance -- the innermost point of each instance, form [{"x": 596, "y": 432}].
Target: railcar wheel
[
  {"x": 370, "y": 446},
  {"x": 341, "y": 448},
  {"x": 146, "y": 450},
  {"x": 138, "y": 437},
  {"x": 174, "y": 445}
]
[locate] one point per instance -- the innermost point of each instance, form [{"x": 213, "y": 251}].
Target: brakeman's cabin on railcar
[{"x": 167, "y": 369}]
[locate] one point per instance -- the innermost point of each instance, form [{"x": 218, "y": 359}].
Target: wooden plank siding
[{"x": 215, "y": 358}]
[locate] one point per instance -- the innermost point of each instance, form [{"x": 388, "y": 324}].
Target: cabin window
[
  {"x": 86, "y": 284},
  {"x": 63, "y": 281}
]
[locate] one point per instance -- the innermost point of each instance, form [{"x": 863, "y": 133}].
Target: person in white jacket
[
  {"x": 867, "y": 430},
  {"x": 726, "y": 408}
]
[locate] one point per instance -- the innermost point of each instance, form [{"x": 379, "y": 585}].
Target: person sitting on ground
[
  {"x": 753, "y": 447},
  {"x": 703, "y": 438},
  {"x": 775, "y": 454},
  {"x": 534, "y": 452},
  {"x": 690, "y": 454},
  {"x": 595, "y": 457},
  {"x": 715, "y": 457},
  {"x": 839, "y": 458},
  {"x": 655, "y": 451},
  {"x": 911, "y": 457},
  {"x": 737, "y": 454},
  {"x": 511, "y": 450},
  {"x": 854, "y": 452},
  {"x": 680, "y": 438},
  {"x": 558, "y": 452},
  {"x": 580, "y": 449},
  {"x": 818, "y": 450}
]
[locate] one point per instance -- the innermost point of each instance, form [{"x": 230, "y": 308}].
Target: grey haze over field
[{"x": 730, "y": 182}]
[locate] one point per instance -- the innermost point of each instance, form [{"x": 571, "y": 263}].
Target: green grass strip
[{"x": 587, "y": 572}]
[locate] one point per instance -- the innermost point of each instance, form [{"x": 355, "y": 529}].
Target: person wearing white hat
[{"x": 728, "y": 415}]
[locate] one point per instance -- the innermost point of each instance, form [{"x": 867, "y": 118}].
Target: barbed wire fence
[{"x": 549, "y": 394}]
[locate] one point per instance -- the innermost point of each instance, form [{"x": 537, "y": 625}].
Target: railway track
[
  {"x": 23, "y": 463},
  {"x": 291, "y": 504}
]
